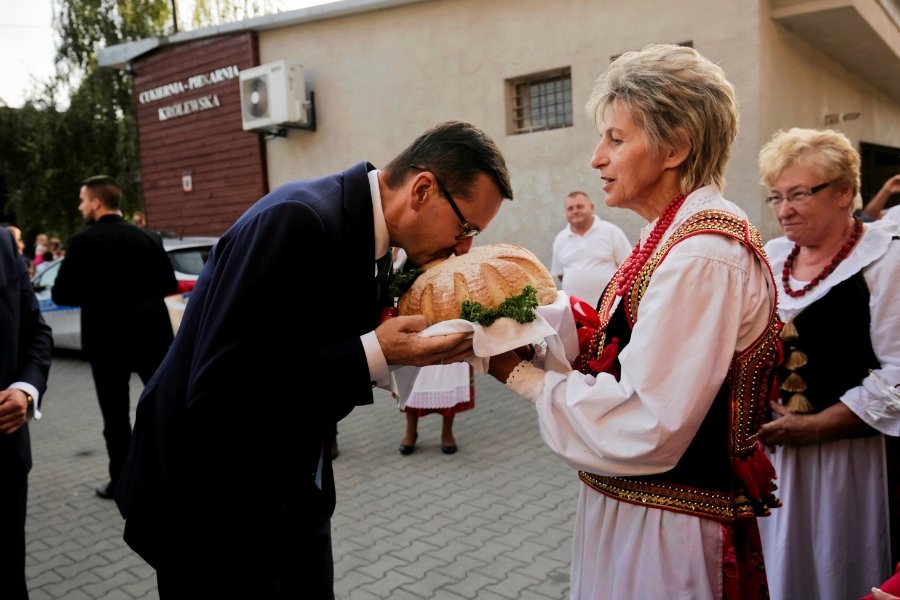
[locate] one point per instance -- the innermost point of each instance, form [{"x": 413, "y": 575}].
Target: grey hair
[{"x": 670, "y": 92}]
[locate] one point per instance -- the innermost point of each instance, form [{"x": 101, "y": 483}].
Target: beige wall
[
  {"x": 800, "y": 86},
  {"x": 382, "y": 77}
]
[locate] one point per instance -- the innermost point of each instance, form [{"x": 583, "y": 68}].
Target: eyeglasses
[
  {"x": 467, "y": 230},
  {"x": 797, "y": 197}
]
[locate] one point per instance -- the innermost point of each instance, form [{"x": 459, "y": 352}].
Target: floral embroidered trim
[
  {"x": 516, "y": 373},
  {"x": 748, "y": 380}
]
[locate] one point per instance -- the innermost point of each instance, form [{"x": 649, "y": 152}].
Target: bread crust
[{"x": 487, "y": 274}]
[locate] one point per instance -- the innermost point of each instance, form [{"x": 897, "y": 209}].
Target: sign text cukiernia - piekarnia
[{"x": 192, "y": 82}]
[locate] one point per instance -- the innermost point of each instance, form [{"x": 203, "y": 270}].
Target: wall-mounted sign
[
  {"x": 188, "y": 106},
  {"x": 187, "y": 181},
  {"x": 190, "y": 83}
]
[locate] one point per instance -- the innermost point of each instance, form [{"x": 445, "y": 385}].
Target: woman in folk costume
[
  {"x": 839, "y": 286},
  {"x": 439, "y": 389},
  {"x": 677, "y": 363}
]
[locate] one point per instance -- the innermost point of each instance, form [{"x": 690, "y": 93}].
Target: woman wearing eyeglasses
[
  {"x": 839, "y": 284},
  {"x": 660, "y": 415}
]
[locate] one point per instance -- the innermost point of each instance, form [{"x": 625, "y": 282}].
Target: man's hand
[
  {"x": 402, "y": 345},
  {"x": 892, "y": 185},
  {"x": 13, "y": 410}
]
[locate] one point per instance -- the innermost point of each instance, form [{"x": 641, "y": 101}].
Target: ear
[
  {"x": 418, "y": 190},
  {"x": 846, "y": 195},
  {"x": 676, "y": 155}
]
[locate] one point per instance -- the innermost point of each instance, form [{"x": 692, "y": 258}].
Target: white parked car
[{"x": 188, "y": 255}]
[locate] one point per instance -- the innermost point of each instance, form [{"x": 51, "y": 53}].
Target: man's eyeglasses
[
  {"x": 467, "y": 230},
  {"x": 797, "y": 197}
]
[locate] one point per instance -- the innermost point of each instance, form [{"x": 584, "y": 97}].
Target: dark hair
[
  {"x": 457, "y": 152},
  {"x": 106, "y": 189}
]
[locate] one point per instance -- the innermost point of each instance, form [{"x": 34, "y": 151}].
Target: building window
[{"x": 541, "y": 101}]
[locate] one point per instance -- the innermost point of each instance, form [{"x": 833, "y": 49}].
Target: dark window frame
[{"x": 540, "y": 101}]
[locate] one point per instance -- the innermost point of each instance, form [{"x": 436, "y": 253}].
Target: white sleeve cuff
[
  {"x": 31, "y": 391},
  {"x": 378, "y": 367},
  {"x": 526, "y": 380}
]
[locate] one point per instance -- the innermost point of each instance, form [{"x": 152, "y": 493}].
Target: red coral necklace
[
  {"x": 826, "y": 271},
  {"x": 639, "y": 256}
]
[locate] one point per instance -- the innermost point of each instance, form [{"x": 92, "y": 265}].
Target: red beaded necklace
[
  {"x": 826, "y": 271},
  {"x": 639, "y": 256}
]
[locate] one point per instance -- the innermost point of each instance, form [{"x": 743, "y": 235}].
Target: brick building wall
[{"x": 199, "y": 169}]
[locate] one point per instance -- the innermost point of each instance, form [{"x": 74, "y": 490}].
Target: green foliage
[
  {"x": 520, "y": 308},
  {"x": 402, "y": 281},
  {"x": 46, "y": 151},
  {"x": 215, "y": 12}
]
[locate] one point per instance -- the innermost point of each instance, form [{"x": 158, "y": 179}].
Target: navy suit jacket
[
  {"x": 25, "y": 347},
  {"x": 230, "y": 430}
]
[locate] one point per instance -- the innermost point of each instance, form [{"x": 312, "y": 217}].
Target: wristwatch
[{"x": 30, "y": 408}]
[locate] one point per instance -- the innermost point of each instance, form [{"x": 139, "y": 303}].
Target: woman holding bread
[{"x": 661, "y": 412}]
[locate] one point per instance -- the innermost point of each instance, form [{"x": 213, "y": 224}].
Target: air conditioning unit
[{"x": 273, "y": 97}]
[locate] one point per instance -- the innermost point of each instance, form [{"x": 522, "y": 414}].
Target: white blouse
[
  {"x": 879, "y": 260},
  {"x": 707, "y": 299}
]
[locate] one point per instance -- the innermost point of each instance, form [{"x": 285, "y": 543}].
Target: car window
[
  {"x": 47, "y": 278},
  {"x": 189, "y": 260}
]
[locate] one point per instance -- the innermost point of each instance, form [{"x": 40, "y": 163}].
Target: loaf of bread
[{"x": 487, "y": 274}]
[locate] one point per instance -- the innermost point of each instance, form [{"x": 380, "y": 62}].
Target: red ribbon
[{"x": 587, "y": 322}]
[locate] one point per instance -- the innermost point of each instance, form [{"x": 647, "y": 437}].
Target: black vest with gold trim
[
  {"x": 723, "y": 474},
  {"x": 816, "y": 368}
]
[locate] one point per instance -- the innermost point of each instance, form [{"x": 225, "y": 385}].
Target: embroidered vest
[
  {"x": 816, "y": 365},
  {"x": 723, "y": 474}
]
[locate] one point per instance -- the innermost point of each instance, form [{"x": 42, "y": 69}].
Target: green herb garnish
[
  {"x": 520, "y": 307},
  {"x": 402, "y": 281}
]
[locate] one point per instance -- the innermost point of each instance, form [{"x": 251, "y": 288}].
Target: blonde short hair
[
  {"x": 825, "y": 152},
  {"x": 668, "y": 90}
]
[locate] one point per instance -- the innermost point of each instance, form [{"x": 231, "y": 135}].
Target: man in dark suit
[
  {"x": 119, "y": 275},
  {"x": 25, "y": 346},
  {"x": 228, "y": 490}
]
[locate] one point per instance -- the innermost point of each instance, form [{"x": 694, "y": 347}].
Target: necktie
[{"x": 383, "y": 265}]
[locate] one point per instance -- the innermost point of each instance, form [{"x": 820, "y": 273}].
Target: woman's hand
[
  {"x": 879, "y": 595},
  {"x": 795, "y": 429},
  {"x": 501, "y": 365}
]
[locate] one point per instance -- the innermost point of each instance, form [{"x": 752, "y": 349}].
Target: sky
[{"x": 28, "y": 43}]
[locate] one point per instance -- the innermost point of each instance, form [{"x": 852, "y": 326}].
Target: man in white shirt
[
  {"x": 588, "y": 251},
  {"x": 892, "y": 213},
  {"x": 874, "y": 208}
]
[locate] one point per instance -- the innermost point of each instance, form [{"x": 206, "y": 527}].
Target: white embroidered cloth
[{"x": 503, "y": 335}]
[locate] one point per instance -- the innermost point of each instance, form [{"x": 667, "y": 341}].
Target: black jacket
[
  {"x": 119, "y": 275},
  {"x": 25, "y": 347}
]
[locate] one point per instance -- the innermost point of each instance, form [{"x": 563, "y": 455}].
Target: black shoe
[
  {"x": 107, "y": 492},
  {"x": 406, "y": 450},
  {"x": 449, "y": 449}
]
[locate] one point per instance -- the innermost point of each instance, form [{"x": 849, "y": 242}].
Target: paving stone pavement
[{"x": 492, "y": 522}]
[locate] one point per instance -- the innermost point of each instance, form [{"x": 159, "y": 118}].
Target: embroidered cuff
[{"x": 526, "y": 380}]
